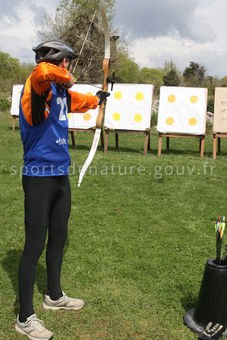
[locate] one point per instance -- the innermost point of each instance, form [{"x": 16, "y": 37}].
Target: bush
[
  {"x": 210, "y": 105},
  {"x": 154, "y": 119},
  {"x": 4, "y": 104},
  {"x": 209, "y": 127}
]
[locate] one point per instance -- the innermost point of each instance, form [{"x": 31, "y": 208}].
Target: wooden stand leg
[
  {"x": 202, "y": 142},
  {"x": 219, "y": 144},
  {"x": 146, "y": 142},
  {"x": 14, "y": 123},
  {"x": 167, "y": 143},
  {"x": 102, "y": 139},
  {"x": 149, "y": 142},
  {"x": 160, "y": 144},
  {"x": 106, "y": 141},
  {"x": 214, "y": 145},
  {"x": 116, "y": 140},
  {"x": 73, "y": 137}
]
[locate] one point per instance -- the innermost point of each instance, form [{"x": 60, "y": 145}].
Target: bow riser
[{"x": 105, "y": 68}]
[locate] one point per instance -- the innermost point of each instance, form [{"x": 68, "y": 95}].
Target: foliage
[
  {"x": 4, "y": 104},
  {"x": 171, "y": 78},
  {"x": 194, "y": 74},
  {"x": 12, "y": 72},
  {"x": 9, "y": 66},
  {"x": 151, "y": 76},
  {"x": 209, "y": 83},
  {"x": 137, "y": 243},
  {"x": 210, "y": 104},
  {"x": 172, "y": 75},
  {"x": 70, "y": 23},
  {"x": 126, "y": 69},
  {"x": 209, "y": 127},
  {"x": 154, "y": 118},
  {"x": 223, "y": 82}
]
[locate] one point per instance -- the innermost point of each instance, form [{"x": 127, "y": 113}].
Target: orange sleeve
[
  {"x": 82, "y": 102},
  {"x": 26, "y": 102},
  {"x": 44, "y": 73}
]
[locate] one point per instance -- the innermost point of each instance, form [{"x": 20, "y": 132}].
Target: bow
[{"x": 105, "y": 68}]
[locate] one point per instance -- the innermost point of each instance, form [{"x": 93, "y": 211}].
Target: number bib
[{"x": 46, "y": 145}]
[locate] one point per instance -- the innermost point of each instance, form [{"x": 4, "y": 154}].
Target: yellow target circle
[
  {"x": 193, "y": 99},
  {"x": 139, "y": 96},
  {"x": 170, "y": 121},
  {"x": 118, "y": 95},
  {"x": 138, "y": 117},
  {"x": 171, "y": 98},
  {"x": 192, "y": 121},
  {"x": 116, "y": 116},
  {"x": 69, "y": 115},
  {"x": 87, "y": 117}
]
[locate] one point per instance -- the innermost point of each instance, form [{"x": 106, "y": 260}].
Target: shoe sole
[
  {"x": 19, "y": 330},
  {"x": 48, "y": 307}
]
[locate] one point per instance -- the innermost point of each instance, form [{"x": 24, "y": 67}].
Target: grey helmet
[{"x": 53, "y": 51}]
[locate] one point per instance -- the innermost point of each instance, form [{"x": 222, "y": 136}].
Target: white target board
[
  {"x": 220, "y": 110},
  {"x": 129, "y": 107},
  {"x": 16, "y": 93},
  {"x": 85, "y": 120},
  {"x": 182, "y": 110}
]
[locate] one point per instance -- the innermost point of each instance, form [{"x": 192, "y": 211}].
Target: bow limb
[{"x": 99, "y": 119}]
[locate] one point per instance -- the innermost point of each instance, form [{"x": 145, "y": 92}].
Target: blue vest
[{"x": 46, "y": 145}]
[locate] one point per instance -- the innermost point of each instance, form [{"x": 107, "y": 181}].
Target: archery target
[
  {"x": 182, "y": 110},
  {"x": 220, "y": 110},
  {"x": 85, "y": 120},
  {"x": 16, "y": 93},
  {"x": 129, "y": 107}
]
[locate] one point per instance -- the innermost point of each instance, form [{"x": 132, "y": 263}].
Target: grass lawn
[{"x": 140, "y": 233}]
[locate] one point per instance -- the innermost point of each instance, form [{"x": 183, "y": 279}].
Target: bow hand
[{"x": 102, "y": 96}]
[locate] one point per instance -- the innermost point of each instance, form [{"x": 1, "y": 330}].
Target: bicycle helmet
[{"x": 53, "y": 51}]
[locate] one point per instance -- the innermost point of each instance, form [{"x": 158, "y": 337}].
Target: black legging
[{"x": 47, "y": 207}]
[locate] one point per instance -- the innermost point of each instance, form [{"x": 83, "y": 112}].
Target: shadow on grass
[
  {"x": 125, "y": 149},
  {"x": 189, "y": 301},
  {"x": 181, "y": 152},
  {"x": 83, "y": 147},
  {"x": 221, "y": 154},
  {"x": 110, "y": 148},
  {"x": 11, "y": 263},
  {"x": 152, "y": 151},
  {"x": 189, "y": 296},
  {"x": 16, "y": 128}
]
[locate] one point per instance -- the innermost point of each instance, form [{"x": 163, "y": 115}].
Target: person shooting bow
[{"x": 45, "y": 101}]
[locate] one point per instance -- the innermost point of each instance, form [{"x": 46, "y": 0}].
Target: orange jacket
[{"x": 36, "y": 99}]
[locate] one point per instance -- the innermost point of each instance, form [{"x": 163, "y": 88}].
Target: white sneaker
[
  {"x": 63, "y": 302},
  {"x": 33, "y": 328}
]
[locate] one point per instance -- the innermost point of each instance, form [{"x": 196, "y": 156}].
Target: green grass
[{"x": 137, "y": 242}]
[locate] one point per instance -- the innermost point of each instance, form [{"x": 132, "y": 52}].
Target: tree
[
  {"x": 9, "y": 67},
  {"x": 11, "y": 72},
  {"x": 151, "y": 76},
  {"x": 171, "y": 77},
  {"x": 223, "y": 82},
  {"x": 194, "y": 74},
  {"x": 70, "y": 23},
  {"x": 127, "y": 71}
]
